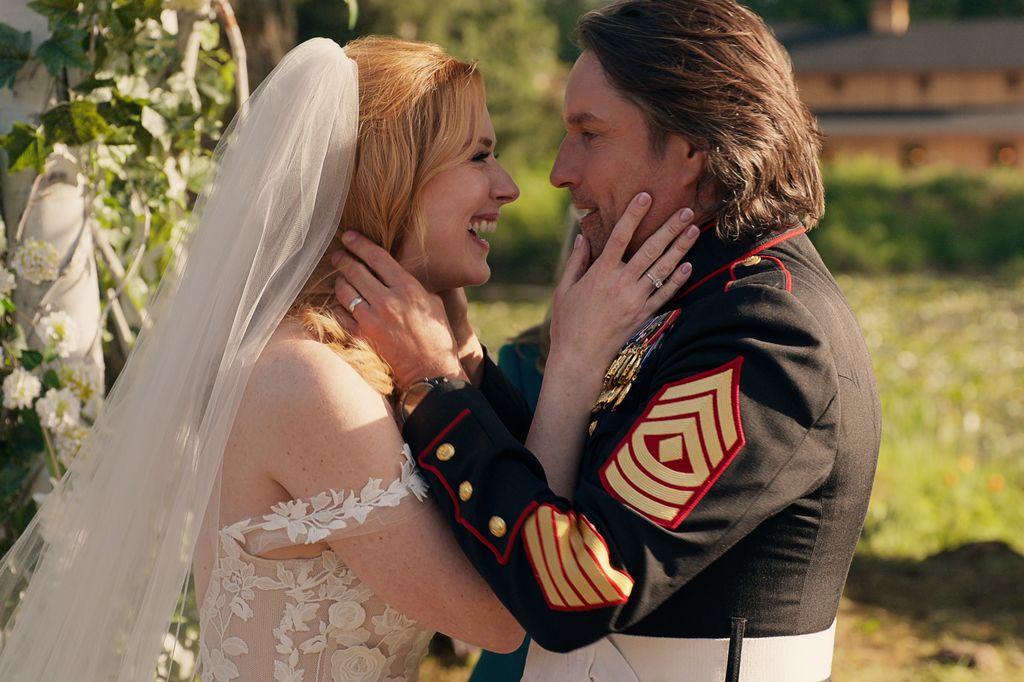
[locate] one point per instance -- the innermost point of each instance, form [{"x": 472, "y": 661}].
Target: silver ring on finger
[
  {"x": 654, "y": 280},
  {"x": 355, "y": 301}
]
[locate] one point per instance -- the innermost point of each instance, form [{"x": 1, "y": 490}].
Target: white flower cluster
[
  {"x": 37, "y": 261},
  {"x": 59, "y": 410},
  {"x": 82, "y": 377},
  {"x": 20, "y": 389},
  {"x": 58, "y": 329},
  {"x": 7, "y": 281},
  {"x": 69, "y": 441}
]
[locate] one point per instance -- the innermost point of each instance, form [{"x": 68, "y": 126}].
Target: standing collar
[{"x": 712, "y": 256}]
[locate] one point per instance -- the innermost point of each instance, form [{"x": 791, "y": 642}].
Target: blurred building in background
[{"x": 924, "y": 92}]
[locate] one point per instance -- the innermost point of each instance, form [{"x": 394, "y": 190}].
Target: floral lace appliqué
[
  {"x": 307, "y": 620},
  {"x": 310, "y": 521}
]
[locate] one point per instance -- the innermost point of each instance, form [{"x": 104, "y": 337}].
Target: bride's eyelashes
[{"x": 482, "y": 156}]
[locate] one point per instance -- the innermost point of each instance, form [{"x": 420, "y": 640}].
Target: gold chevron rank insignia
[
  {"x": 571, "y": 562},
  {"x": 688, "y": 435}
]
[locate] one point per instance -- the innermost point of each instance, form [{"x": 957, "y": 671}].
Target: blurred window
[
  {"x": 914, "y": 154},
  {"x": 1005, "y": 154}
]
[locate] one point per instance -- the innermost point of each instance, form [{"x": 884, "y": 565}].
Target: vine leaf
[
  {"x": 57, "y": 11},
  {"x": 64, "y": 49},
  {"x": 25, "y": 148},
  {"x": 74, "y": 123},
  {"x": 30, "y": 359},
  {"x": 51, "y": 380},
  {"x": 15, "y": 48}
]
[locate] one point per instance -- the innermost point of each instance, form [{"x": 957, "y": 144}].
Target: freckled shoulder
[{"x": 302, "y": 386}]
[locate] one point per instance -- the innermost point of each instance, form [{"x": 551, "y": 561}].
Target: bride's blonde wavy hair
[{"x": 419, "y": 112}]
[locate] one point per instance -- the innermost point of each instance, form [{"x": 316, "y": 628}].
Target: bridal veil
[{"x": 88, "y": 591}]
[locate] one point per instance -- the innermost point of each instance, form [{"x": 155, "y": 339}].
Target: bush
[{"x": 879, "y": 218}]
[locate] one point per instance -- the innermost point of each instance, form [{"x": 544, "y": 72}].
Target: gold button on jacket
[
  {"x": 497, "y": 526},
  {"x": 445, "y": 451},
  {"x": 465, "y": 491}
]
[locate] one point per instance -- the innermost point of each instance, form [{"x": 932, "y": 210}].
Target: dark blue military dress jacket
[{"x": 728, "y": 478}]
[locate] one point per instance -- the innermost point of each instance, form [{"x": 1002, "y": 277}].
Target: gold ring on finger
[{"x": 654, "y": 280}]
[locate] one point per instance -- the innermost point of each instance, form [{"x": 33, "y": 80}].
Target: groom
[{"x": 727, "y": 470}]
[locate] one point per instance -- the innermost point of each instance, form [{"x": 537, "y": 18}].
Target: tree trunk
[{"x": 270, "y": 28}]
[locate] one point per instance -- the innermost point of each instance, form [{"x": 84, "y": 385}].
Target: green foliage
[
  {"x": 531, "y": 230},
  {"x": 516, "y": 44},
  {"x": 142, "y": 130},
  {"x": 25, "y": 147},
  {"x": 74, "y": 123},
  {"x": 879, "y": 218},
  {"x": 63, "y": 50},
  {"x": 15, "y": 48},
  {"x": 564, "y": 14},
  {"x": 57, "y": 11},
  {"x": 948, "y": 361}
]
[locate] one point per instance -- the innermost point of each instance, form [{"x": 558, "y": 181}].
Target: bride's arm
[{"x": 314, "y": 424}]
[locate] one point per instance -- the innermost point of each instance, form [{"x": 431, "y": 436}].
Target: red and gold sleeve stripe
[{"x": 571, "y": 562}]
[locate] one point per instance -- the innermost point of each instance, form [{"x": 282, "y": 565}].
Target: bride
[{"x": 251, "y": 435}]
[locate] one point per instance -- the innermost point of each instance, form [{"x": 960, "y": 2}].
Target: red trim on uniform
[
  {"x": 562, "y": 559},
  {"x": 502, "y": 557},
  {"x": 732, "y": 275},
  {"x": 714, "y": 472},
  {"x": 444, "y": 432},
  {"x": 767, "y": 245},
  {"x": 600, "y": 538},
  {"x": 543, "y": 559},
  {"x": 778, "y": 262},
  {"x": 704, "y": 454},
  {"x": 665, "y": 326},
  {"x": 586, "y": 575},
  {"x": 789, "y": 277},
  {"x": 533, "y": 564}
]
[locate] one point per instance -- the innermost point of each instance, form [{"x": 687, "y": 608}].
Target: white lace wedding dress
[{"x": 311, "y": 619}]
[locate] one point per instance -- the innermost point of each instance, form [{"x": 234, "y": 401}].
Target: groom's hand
[{"x": 384, "y": 304}]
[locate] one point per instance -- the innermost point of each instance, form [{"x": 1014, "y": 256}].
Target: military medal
[{"x": 630, "y": 360}]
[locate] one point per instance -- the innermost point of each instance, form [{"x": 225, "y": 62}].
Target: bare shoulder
[
  {"x": 307, "y": 417},
  {"x": 300, "y": 377}
]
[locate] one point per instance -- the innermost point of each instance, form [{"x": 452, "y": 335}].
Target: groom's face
[{"x": 606, "y": 159}]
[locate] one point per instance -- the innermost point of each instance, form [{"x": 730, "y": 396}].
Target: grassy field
[{"x": 934, "y": 594}]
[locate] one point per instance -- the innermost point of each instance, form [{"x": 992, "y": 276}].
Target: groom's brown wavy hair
[
  {"x": 713, "y": 73},
  {"x": 419, "y": 114}
]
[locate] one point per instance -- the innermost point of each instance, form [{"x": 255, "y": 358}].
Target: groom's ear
[{"x": 688, "y": 158}]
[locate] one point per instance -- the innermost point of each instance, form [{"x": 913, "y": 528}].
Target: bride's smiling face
[{"x": 460, "y": 207}]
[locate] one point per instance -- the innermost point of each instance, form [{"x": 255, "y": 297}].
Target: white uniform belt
[{"x": 632, "y": 658}]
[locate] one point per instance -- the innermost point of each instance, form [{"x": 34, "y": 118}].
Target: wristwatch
[{"x": 416, "y": 392}]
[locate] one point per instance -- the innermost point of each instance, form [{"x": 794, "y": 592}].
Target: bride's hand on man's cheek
[
  {"x": 597, "y": 307},
  {"x": 384, "y": 304}
]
